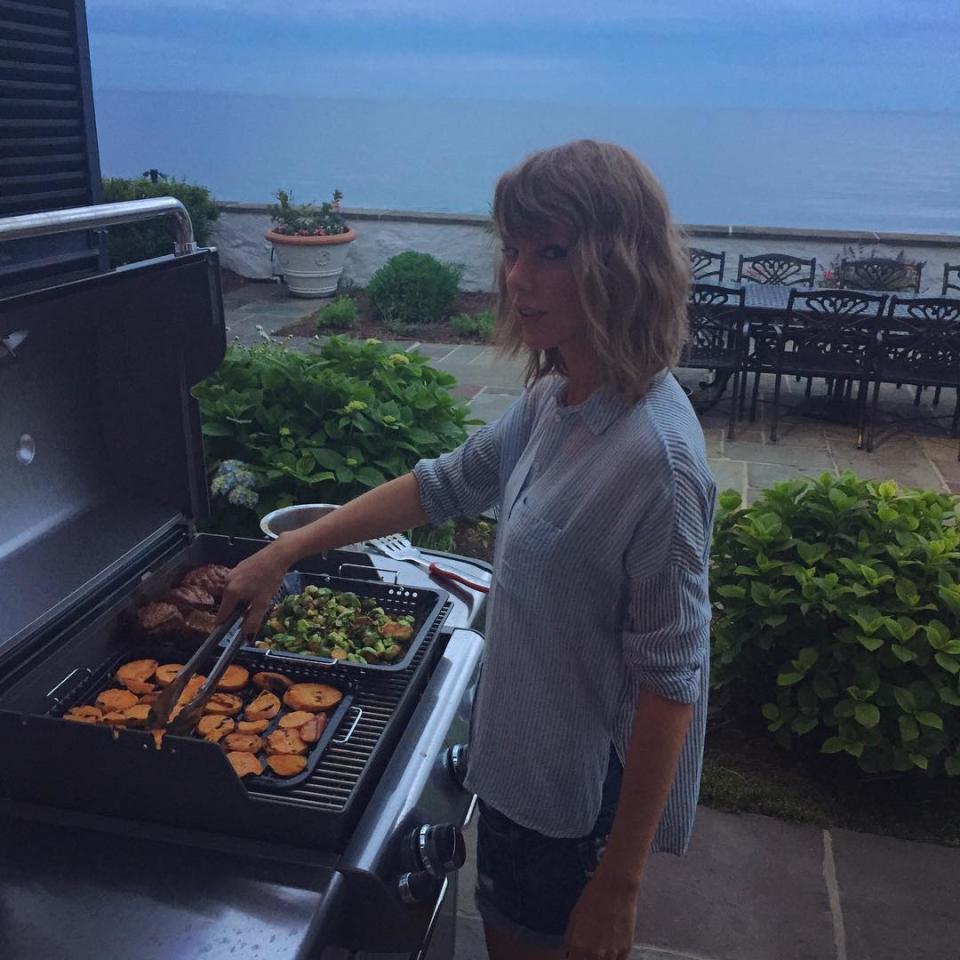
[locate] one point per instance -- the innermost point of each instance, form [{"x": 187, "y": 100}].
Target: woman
[{"x": 587, "y": 733}]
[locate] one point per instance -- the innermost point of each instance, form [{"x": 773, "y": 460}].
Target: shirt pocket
[{"x": 530, "y": 548}]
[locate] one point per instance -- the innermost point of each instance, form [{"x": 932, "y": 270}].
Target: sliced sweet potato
[
  {"x": 287, "y": 764},
  {"x": 234, "y": 678},
  {"x": 150, "y": 698},
  {"x": 115, "y": 701},
  {"x": 312, "y": 697},
  {"x": 139, "y": 687},
  {"x": 84, "y": 714},
  {"x": 215, "y": 726},
  {"x": 252, "y": 726},
  {"x": 226, "y": 704},
  {"x": 137, "y": 714},
  {"x": 274, "y": 682},
  {"x": 167, "y": 673},
  {"x": 296, "y": 718},
  {"x": 191, "y": 689},
  {"x": 265, "y": 707},
  {"x": 243, "y": 742},
  {"x": 285, "y": 741},
  {"x": 141, "y": 670},
  {"x": 115, "y": 718},
  {"x": 310, "y": 732},
  {"x": 245, "y": 764}
]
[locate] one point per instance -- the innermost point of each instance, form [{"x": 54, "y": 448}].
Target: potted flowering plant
[{"x": 309, "y": 244}]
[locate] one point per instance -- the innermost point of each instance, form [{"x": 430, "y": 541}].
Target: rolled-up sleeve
[
  {"x": 666, "y": 641},
  {"x": 666, "y": 637},
  {"x": 470, "y": 479}
]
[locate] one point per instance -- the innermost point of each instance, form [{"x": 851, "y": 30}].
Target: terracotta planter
[{"x": 310, "y": 266}]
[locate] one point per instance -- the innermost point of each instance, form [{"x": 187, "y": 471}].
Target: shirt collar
[{"x": 598, "y": 411}]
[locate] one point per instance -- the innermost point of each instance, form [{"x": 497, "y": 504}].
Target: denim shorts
[{"x": 528, "y": 884}]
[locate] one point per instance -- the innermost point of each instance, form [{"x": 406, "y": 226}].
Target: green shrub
[
  {"x": 143, "y": 241},
  {"x": 837, "y": 613},
  {"x": 479, "y": 326},
  {"x": 413, "y": 288},
  {"x": 319, "y": 427},
  {"x": 341, "y": 314}
]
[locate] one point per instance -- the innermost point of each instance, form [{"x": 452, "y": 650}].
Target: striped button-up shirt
[{"x": 599, "y": 591}]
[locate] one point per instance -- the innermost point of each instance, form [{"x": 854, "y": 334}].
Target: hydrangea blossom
[{"x": 235, "y": 481}]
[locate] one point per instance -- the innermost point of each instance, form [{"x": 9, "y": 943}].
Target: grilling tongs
[{"x": 186, "y": 719}]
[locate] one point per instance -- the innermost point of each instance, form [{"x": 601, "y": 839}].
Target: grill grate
[{"x": 380, "y": 697}]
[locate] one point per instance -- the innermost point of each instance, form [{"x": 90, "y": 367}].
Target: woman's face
[{"x": 542, "y": 290}]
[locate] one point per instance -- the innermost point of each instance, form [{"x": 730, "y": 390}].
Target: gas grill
[{"x": 110, "y": 846}]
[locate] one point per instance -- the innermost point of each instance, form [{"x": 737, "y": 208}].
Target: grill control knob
[
  {"x": 417, "y": 887},
  {"x": 438, "y": 849},
  {"x": 456, "y": 761}
]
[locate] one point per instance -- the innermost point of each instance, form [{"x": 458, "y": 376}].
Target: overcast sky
[{"x": 886, "y": 54}]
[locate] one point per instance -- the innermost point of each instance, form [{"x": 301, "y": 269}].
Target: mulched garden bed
[
  {"x": 368, "y": 325},
  {"x": 744, "y": 771}
]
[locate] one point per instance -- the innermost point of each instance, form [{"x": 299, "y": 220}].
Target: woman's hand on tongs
[{"x": 256, "y": 581}]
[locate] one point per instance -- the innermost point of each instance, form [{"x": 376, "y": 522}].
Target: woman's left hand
[{"x": 601, "y": 926}]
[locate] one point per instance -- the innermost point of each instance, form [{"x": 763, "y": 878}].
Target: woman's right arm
[
  {"x": 466, "y": 480},
  {"x": 392, "y": 506}
]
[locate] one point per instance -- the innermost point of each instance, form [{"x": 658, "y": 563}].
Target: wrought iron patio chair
[
  {"x": 951, "y": 279},
  {"x": 715, "y": 316},
  {"x": 919, "y": 344},
  {"x": 880, "y": 273},
  {"x": 828, "y": 334},
  {"x": 777, "y": 268},
  {"x": 706, "y": 265}
]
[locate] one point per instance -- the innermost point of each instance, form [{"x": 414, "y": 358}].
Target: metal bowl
[{"x": 299, "y": 515}]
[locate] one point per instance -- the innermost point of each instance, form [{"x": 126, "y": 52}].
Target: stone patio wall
[{"x": 467, "y": 239}]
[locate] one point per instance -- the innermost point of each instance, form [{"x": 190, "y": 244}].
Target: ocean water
[{"x": 881, "y": 171}]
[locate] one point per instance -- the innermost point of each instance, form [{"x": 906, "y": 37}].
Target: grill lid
[{"x": 100, "y": 444}]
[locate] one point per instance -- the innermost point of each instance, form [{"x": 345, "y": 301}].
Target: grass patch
[{"x": 745, "y": 772}]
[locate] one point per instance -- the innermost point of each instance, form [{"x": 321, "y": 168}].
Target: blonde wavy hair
[{"x": 630, "y": 261}]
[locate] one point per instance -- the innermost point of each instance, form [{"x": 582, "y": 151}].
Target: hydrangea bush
[
  {"x": 837, "y": 614},
  {"x": 283, "y": 427}
]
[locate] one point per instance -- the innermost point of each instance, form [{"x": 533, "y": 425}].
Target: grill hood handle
[{"x": 102, "y": 215}]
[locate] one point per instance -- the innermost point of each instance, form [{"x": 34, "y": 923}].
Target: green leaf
[
  {"x": 950, "y": 696},
  {"x": 950, "y": 664},
  {"x": 929, "y": 719},
  {"x": 888, "y": 489},
  {"x": 867, "y": 714},
  {"x": 952, "y": 765},
  {"x": 370, "y": 476},
  {"x": 919, "y": 760},
  {"x": 832, "y": 745},
  {"x": 905, "y": 700},
  {"x": 804, "y": 725},
  {"x": 732, "y": 591},
  {"x": 950, "y": 595},
  {"x": 808, "y": 656},
  {"x": 213, "y": 429},
  {"x": 909, "y": 731},
  {"x": 329, "y": 459},
  {"x": 871, "y": 643},
  {"x": 903, "y": 654},
  {"x": 306, "y": 465},
  {"x": 730, "y": 500},
  {"x": 770, "y": 711},
  {"x": 854, "y": 748},
  {"x": 907, "y": 591},
  {"x": 810, "y": 553},
  {"x": 788, "y": 679}
]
